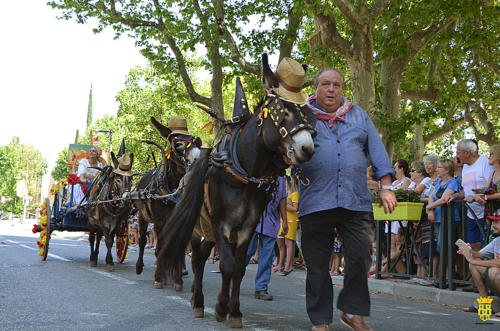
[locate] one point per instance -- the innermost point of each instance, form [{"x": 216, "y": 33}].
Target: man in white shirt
[{"x": 475, "y": 173}]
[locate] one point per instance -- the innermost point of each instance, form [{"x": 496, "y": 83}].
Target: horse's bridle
[{"x": 275, "y": 108}]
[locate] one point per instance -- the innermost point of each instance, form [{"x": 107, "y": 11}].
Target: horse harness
[{"x": 226, "y": 156}]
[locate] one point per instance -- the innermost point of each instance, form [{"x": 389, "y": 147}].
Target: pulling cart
[{"x": 61, "y": 215}]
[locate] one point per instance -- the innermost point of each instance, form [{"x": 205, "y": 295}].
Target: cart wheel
[
  {"x": 122, "y": 238},
  {"x": 47, "y": 239}
]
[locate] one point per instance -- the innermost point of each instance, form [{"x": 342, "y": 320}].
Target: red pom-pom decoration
[
  {"x": 35, "y": 228},
  {"x": 73, "y": 179}
]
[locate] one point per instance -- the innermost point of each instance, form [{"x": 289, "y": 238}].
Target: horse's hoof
[
  {"x": 138, "y": 270},
  {"x": 184, "y": 272},
  {"x": 158, "y": 284},
  {"x": 219, "y": 318},
  {"x": 109, "y": 267},
  {"x": 235, "y": 322},
  {"x": 93, "y": 263},
  {"x": 177, "y": 287},
  {"x": 199, "y": 312}
]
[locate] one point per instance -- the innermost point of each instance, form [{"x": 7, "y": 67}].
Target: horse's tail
[{"x": 179, "y": 226}]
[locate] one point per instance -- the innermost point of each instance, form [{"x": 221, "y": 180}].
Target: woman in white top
[
  {"x": 86, "y": 173},
  {"x": 402, "y": 175},
  {"x": 421, "y": 182}
]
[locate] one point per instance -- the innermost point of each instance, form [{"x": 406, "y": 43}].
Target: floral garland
[{"x": 42, "y": 222}]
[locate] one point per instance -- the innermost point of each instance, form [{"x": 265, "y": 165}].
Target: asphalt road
[{"x": 64, "y": 293}]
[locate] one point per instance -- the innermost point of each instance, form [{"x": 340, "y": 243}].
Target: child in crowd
[{"x": 286, "y": 244}]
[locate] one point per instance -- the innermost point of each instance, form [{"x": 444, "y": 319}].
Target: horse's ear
[
  {"x": 305, "y": 66},
  {"x": 162, "y": 129},
  {"x": 269, "y": 79},
  {"x": 131, "y": 160},
  {"x": 115, "y": 160}
]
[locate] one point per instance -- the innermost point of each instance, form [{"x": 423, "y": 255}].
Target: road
[{"x": 64, "y": 293}]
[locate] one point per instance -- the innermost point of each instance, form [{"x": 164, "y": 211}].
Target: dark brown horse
[
  {"x": 107, "y": 218},
  {"x": 163, "y": 180},
  {"x": 227, "y": 192}
]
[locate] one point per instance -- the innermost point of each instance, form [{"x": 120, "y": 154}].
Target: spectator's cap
[
  {"x": 124, "y": 165},
  {"x": 178, "y": 125}
]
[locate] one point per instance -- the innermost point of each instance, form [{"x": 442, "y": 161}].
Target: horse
[
  {"x": 106, "y": 218},
  {"x": 227, "y": 192},
  {"x": 163, "y": 180}
]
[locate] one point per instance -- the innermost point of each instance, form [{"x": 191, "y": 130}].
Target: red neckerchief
[{"x": 331, "y": 118}]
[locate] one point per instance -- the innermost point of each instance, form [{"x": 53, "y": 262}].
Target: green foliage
[
  {"x": 147, "y": 94},
  {"x": 401, "y": 196},
  {"x": 24, "y": 163},
  {"x": 89, "y": 110},
  {"x": 61, "y": 169}
]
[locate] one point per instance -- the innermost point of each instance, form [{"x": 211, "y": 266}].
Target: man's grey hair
[
  {"x": 432, "y": 158},
  {"x": 318, "y": 75},
  {"x": 468, "y": 145}
]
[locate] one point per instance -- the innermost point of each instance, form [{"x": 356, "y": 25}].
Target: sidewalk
[
  {"x": 400, "y": 288},
  {"x": 419, "y": 292}
]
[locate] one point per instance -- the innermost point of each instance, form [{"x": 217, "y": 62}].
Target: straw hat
[
  {"x": 178, "y": 125},
  {"x": 124, "y": 165},
  {"x": 290, "y": 74}
]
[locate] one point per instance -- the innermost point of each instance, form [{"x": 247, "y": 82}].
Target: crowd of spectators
[{"x": 469, "y": 178}]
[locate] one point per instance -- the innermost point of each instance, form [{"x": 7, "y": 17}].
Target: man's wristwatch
[
  {"x": 485, "y": 197},
  {"x": 386, "y": 187}
]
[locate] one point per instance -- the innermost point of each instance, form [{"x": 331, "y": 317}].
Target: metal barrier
[{"x": 450, "y": 230}]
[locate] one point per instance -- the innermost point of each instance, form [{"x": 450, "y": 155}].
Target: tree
[
  {"x": 147, "y": 94},
  {"x": 19, "y": 162},
  {"x": 397, "y": 53},
  {"x": 167, "y": 31},
  {"x": 89, "y": 110},
  {"x": 61, "y": 169}
]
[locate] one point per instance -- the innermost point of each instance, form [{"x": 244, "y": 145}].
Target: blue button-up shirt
[
  {"x": 271, "y": 215},
  {"x": 337, "y": 170}
]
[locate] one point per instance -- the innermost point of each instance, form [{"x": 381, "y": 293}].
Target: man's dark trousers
[{"x": 356, "y": 229}]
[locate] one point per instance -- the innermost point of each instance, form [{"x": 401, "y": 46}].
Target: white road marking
[
  {"x": 54, "y": 256},
  {"x": 28, "y": 247},
  {"x": 57, "y": 257},
  {"x": 109, "y": 275}
]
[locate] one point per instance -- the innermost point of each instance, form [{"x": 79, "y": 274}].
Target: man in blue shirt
[
  {"x": 268, "y": 226},
  {"x": 338, "y": 196}
]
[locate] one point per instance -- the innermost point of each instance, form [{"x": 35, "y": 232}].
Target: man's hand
[
  {"x": 466, "y": 253},
  {"x": 387, "y": 199}
]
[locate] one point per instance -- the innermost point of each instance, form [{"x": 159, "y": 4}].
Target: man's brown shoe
[
  {"x": 263, "y": 295},
  {"x": 320, "y": 327},
  {"x": 356, "y": 323}
]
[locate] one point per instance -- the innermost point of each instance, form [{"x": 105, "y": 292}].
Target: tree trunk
[
  {"x": 363, "y": 85},
  {"x": 390, "y": 78}
]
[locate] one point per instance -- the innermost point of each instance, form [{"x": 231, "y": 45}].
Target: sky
[{"x": 46, "y": 68}]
